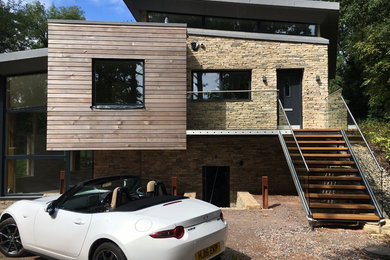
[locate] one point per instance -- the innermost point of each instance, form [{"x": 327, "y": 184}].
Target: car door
[{"x": 63, "y": 232}]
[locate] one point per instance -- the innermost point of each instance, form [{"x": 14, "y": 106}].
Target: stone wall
[
  {"x": 249, "y": 158},
  {"x": 263, "y": 58}
]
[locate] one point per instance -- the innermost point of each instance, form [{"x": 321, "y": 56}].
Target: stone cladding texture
[{"x": 262, "y": 58}]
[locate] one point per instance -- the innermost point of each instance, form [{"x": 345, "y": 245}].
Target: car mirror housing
[{"x": 50, "y": 208}]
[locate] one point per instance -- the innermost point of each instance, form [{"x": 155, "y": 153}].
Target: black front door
[
  {"x": 290, "y": 94},
  {"x": 216, "y": 185}
]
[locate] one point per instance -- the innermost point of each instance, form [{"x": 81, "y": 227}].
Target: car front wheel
[
  {"x": 10, "y": 243},
  {"x": 110, "y": 251}
]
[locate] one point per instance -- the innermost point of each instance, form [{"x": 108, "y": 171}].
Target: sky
[{"x": 96, "y": 10}]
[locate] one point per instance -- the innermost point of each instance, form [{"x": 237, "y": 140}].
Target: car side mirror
[{"x": 50, "y": 208}]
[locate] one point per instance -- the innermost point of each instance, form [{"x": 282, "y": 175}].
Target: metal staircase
[
  {"x": 335, "y": 187},
  {"x": 327, "y": 174}
]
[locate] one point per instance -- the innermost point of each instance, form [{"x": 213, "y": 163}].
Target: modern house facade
[{"x": 198, "y": 90}]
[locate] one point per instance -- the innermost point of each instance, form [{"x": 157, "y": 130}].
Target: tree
[
  {"x": 363, "y": 69},
  {"x": 24, "y": 26}
]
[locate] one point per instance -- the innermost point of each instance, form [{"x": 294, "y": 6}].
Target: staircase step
[
  {"x": 331, "y": 178},
  {"x": 336, "y": 216},
  {"x": 339, "y": 196},
  {"x": 316, "y": 142},
  {"x": 334, "y": 187},
  {"x": 335, "y": 170},
  {"x": 340, "y": 206},
  {"x": 324, "y": 155},
  {"x": 303, "y": 148},
  {"x": 317, "y": 130},
  {"x": 318, "y": 136},
  {"x": 330, "y": 162}
]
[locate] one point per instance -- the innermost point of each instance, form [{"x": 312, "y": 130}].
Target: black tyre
[
  {"x": 10, "y": 243},
  {"x": 109, "y": 251}
]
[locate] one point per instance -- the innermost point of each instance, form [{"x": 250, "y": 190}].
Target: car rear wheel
[
  {"x": 10, "y": 243},
  {"x": 109, "y": 251}
]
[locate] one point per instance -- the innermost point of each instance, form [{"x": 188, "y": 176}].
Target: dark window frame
[
  {"x": 249, "y": 99},
  {"x": 3, "y": 127},
  {"x": 116, "y": 106},
  {"x": 258, "y": 21}
]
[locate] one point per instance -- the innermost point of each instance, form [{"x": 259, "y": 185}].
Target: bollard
[
  {"x": 264, "y": 191},
  {"x": 174, "y": 186},
  {"x": 62, "y": 182}
]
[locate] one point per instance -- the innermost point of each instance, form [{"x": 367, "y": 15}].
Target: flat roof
[
  {"x": 117, "y": 23},
  {"x": 23, "y": 62}
]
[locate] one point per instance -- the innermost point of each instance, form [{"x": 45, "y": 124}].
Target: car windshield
[{"x": 97, "y": 195}]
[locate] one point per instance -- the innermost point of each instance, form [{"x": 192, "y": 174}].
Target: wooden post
[
  {"x": 174, "y": 186},
  {"x": 264, "y": 189},
  {"x": 62, "y": 182}
]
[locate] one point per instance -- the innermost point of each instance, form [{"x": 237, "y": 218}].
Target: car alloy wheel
[
  {"x": 106, "y": 255},
  {"x": 108, "y": 251},
  {"x": 10, "y": 243}
]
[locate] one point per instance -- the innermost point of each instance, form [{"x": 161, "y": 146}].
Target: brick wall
[
  {"x": 248, "y": 158},
  {"x": 263, "y": 58}
]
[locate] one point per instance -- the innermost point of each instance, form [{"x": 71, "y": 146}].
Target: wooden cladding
[{"x": 72, "y": 122}]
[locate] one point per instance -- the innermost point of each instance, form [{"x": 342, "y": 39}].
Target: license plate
[{"x": 208, "y": 252}]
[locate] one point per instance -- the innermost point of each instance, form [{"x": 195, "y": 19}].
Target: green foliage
[
  {"x": 363, "y": 67},
  {"x": 378, "y": 134},
  {"x": 24, "y": 26}
]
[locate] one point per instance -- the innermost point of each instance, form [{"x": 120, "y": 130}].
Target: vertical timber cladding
[{"x": 71, "y": 122}]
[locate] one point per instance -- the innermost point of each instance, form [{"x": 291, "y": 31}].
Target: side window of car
[{"x": 87, "y": 200}]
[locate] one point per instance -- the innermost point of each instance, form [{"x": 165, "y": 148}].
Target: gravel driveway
[{"x": 282, "y": 232}]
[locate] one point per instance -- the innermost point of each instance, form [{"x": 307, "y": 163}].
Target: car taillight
[{"x": 177, "y": 232}]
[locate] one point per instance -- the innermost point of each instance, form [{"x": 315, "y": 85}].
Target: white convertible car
[{"x": 114, "y": 218}]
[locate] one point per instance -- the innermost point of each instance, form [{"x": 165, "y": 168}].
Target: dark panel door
[
  {"x": 216, "y": 185},
  {"x": 290, "y": 94}
]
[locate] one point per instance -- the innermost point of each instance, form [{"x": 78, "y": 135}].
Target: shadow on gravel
[
  {"x": 231, "y": 254},
  {"x": 274, "y": 205}
]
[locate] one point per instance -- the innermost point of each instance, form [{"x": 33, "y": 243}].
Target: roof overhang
[
  {"x": 321, "y": 13},
  {"x": 23, "y": 62}
]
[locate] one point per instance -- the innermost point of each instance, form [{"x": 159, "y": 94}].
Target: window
[
  {"x": 288, "y": 28},
  {"x": 192, "y": 21},
  {"x": 229, "y": 24},
  {"x": 235, "y": 24},
  {"x": 28, "y": 166},
  {"x": 221, "y": 85},
  {"x": 118, "y": 83}
]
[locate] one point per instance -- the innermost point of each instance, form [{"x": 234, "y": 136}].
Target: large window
[
  {"x": 221, "y": 85},
  {"x": 192, "y": 21},
  {"x": 118, "y": 83},
  {"x": 229, "y": 24},
  {"x": 29, "y": 167},
  {"x": 235, "y": 24}
]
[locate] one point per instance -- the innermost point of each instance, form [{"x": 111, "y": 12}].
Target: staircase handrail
[
  {"x": 295, "y": 178},
  {"x": 362, "y": 175},
  {"x": 293, "y": 134},
  {"x": 362, "y": 135}
]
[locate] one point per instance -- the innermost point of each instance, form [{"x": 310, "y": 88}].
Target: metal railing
[
  {"x": 290, "y": 162},
  {"x": 361, "y": 134},
  {"x": 293, "y": 134},
  {"x": 340, "y": 116},
  {"x": 362, "y": 175}
]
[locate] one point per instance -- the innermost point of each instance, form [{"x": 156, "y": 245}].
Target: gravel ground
[{"x": 282, "y": 232}]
